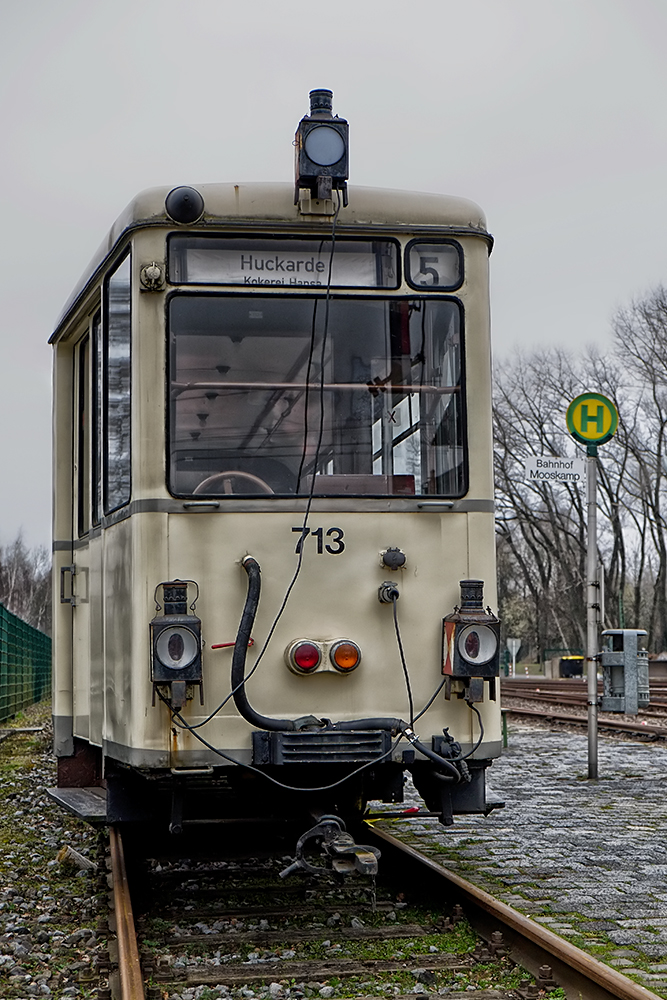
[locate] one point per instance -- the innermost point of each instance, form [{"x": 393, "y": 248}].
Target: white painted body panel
[{"x": 110, "y": 700}]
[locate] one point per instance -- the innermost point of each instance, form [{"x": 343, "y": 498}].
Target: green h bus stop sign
[{"x": 592, "y": 418}]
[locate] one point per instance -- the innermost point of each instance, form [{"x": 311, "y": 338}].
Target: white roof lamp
[{"x": 321, "y": 150}]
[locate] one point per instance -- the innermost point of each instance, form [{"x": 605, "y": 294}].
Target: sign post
[
  {"x": 592, "y": 419},
  {"x": 514, "y": 645}
]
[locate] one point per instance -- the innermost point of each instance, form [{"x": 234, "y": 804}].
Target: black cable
[
  {"x": 312, "y": 348},
  {"x": 256, "y": 770},
  {"x": 309, "y": 502},
  {"x": 241, "y": 645},
  {"x": 309, "y": 366},
  {"x": 404, "y": 731},
  {"x": 304, "y": 525},
  {"x": 414, "y": 718},
  {"x": 481, "y": 732},
  {"x": 403, "y": 663},
  {"x": 431, "y": 700},
  {"x": 470, "y": 705}
]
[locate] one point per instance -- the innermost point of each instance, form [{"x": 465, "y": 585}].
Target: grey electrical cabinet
[{"x": 624, "y": 671}]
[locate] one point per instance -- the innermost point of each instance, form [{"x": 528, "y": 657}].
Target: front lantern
[
  {"x": 175, "y": 637},
  {"x": 471, "y": 642},
  {"x": 321, "y": 144}
]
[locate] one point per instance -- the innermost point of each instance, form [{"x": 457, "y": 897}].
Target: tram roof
[{"x": 258, "y": 205}]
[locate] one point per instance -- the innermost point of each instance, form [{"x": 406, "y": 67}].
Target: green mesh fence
[{"x": 25, "y": 664}]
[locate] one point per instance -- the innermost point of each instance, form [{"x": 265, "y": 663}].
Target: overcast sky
[{"x": 548, "y": 113}]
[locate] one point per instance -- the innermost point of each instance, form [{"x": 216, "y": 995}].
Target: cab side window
[
  {"x": 83, "y": 436},
  {"x": 96, "y": 422},
  {"x": 117, "y": 385}
]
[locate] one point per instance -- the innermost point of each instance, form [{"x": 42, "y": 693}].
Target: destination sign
[{"x": 284, "y": 263}]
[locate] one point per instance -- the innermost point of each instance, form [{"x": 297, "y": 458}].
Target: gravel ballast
[
  {"x": 52, "y": 914},
  {"x": 586, "y": 859}
]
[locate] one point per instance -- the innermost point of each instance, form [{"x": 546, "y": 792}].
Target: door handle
[{"x": 72, "y": 572}]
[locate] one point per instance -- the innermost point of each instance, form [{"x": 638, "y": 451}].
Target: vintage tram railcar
[{"x": 278, "y": 415}]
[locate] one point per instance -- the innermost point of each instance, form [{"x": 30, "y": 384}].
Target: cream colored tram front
[{"x": 245, "y": 386}]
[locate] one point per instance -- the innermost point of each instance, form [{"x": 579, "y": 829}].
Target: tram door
[
  {"x": 81, "y": 516},
  {"x": 87, "y": 618}
]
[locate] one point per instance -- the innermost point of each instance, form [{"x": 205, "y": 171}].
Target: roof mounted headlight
[
  {"x": 321, "y": 150},
  {"x": 184, "y": 205},
  {"x": 324, "y": 145}
]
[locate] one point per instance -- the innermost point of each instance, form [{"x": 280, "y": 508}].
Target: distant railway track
[
  {"x": 208, "y": 921},
  {"x": 543, "y": 698}
]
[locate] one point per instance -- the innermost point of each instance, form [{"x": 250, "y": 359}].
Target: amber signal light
[{"x": 345, "y": 655}]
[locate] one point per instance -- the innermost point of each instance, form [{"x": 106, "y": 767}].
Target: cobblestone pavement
[{"x": 586, "y": 859}]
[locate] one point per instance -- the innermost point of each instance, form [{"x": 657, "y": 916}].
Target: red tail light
[{"x": 305, "y": 656}]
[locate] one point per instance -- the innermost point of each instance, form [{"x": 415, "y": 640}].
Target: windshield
[{"x": 266, "y": 391}]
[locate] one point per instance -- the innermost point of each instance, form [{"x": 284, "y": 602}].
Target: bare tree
[
  {"x": 640, "y": 333},
  {"x": 542, "y": 527},
  {"x": 25, "y": 583},
  {"x": 539, "y": 526}
]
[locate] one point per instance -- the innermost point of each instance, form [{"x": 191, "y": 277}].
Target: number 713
[{"x": 335, "y": 534}]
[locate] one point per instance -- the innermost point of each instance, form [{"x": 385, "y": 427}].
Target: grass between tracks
[{"x": 412, "y": 952}]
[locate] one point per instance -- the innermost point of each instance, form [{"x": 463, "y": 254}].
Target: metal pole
[{"x": 592, "y": 602}]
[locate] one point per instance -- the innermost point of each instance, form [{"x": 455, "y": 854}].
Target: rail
[
  {"x": 528, "y": 943},
  {"x": 555, "y": 695},
  {"x": 131, "y": 978},
  {"x": 25, "y": 664},
  {"x": 531, "y": 945}
]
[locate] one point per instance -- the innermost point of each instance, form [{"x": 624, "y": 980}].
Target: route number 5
[{"x": 429, "y": 271}]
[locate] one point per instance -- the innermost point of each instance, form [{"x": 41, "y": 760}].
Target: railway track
[
  {"x": 543, "y": 698},
  {"x": 223, "y": 920}
]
